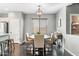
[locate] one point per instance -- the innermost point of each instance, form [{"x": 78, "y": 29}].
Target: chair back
[
  {"x": 39, "y": 41},
  {"x": 54, "y": 37},
  {"x": 27, "y": 37}
]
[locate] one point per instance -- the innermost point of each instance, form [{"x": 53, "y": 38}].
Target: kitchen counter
[{"x": 4, "y": 36}]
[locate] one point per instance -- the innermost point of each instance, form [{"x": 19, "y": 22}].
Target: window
[{"x": 43, "y": 25}]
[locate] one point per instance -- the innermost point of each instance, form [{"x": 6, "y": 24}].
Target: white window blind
[{"x": 43, "y": 25}]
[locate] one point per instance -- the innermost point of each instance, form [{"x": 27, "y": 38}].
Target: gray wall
[
  {"x": 28, "y": 22},
  {"x": 61, "y": 15},
  {"x": 72, "y": 9},
  {"x": 71, "y": 42}
]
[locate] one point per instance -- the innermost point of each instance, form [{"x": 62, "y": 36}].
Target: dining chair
[
  {"x": 10, "y": 45},
  {"x": 55, "y": 37},
  {"x": 28, "y": 45},
  {"x": 26, "y": 36},
  {"x": 60, "y": 36},
  {"x": 48, "y": 45},
  {"x": 7, "y": 47},
  {"x": 60, "y": 39},
  {"x": 51, "y": 35},
  {"x": 39, "y": 44},
  {"x": 2, "y": 49}
]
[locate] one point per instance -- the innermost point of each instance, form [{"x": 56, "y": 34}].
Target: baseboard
[{"x": 69, "y": 52}]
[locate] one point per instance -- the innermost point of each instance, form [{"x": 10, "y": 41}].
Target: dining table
[
  {"x": 41, "y": 43},
  {"x": 45, "y": 36},
  {"x": 40, "y": 46}
]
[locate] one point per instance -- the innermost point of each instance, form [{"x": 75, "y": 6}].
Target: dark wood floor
[
  {"x": 22, "y": 50},
  {"x": 55, "y": 51}
]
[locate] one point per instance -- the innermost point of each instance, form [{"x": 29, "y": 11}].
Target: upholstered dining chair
[
  {"x": 27, "y": 45},
  {"x": 48, "y": 45},
  {"x": 51, "y": 42},
  {"x": 39, "y": 44},
  {"x": 27, "y": 37},
  {"x": 60, "y": 39},
  {"x": 55, "y": 37},
  {"x": 7, "y": 47}
]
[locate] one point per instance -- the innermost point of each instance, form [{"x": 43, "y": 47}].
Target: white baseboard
[{"x": 70, "y": 52}]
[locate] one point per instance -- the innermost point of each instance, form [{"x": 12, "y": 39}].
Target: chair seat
[
  {"x": 29, "y": 42},
  {"x": 47, "y": 46}
]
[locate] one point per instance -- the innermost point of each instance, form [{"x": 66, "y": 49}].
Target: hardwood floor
[
  {"x": 17, "y": 51},
  {"x": 22, "y": 50}
]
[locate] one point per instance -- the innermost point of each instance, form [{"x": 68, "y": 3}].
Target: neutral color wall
[
  {"x": 72, "y": 9},
  {"x": 71, "y": 41},
  {"x": 15, "y": 20},
  {"x": 28, "y": 22},
  {"x": 72, "y": 44},
  {"x": 61, "y": 15},
  {"x": 16, "y": 26}
]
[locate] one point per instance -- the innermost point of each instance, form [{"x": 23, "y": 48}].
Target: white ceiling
[{"x": 31, "y": 8}]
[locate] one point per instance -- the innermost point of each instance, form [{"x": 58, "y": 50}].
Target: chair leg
[
  {"x": 44, "y": 50},
  {"x": 52, "y": 49},
  {"x": 1, "y": 50}
]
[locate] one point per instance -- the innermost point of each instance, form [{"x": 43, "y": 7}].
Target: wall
[
  {"x": 71, "y": 43},
  {"x": 72, "y": 9},
  {"x": 16, "y": 26},
  {"x": 28, "y": 22},
  {"x": 15, "y": 20},
  {"x": 61, "y": 15}
]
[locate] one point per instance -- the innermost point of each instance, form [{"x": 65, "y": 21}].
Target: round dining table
[
  {"x": 45, "y": 37},
  {"x": 40, "y": 45}
]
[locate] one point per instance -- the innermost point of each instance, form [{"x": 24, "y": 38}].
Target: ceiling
[{"x": 31, "y": 8}]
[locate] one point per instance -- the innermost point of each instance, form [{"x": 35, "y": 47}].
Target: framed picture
[{"x": 59, "y": 22}]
